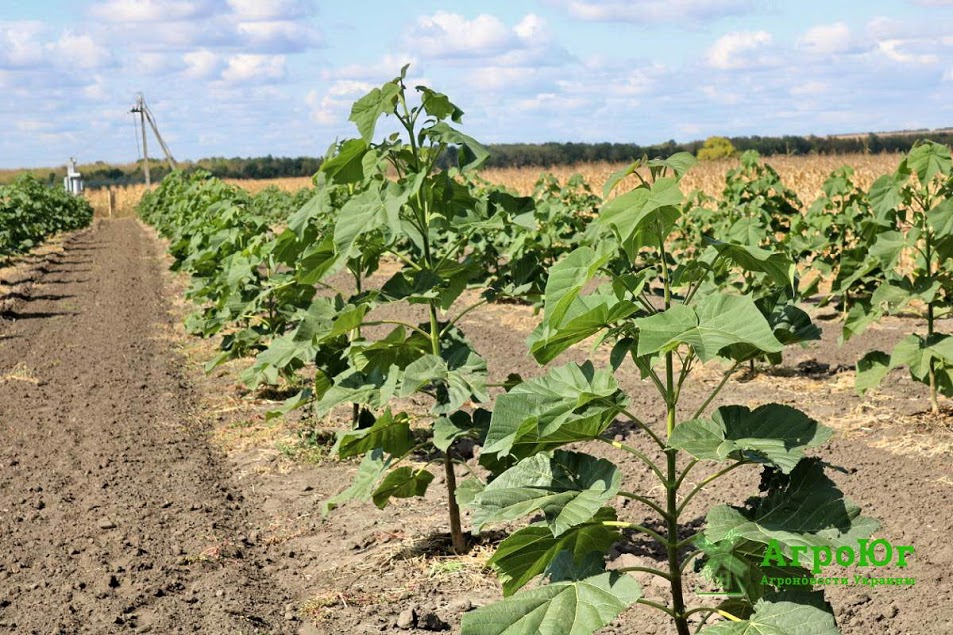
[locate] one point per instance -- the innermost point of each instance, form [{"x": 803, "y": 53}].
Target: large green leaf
[
  {"x": 576, "y": 607},
  {"x": 390, "y": 433},
  {"x": 368, "y": 109},
  {"x": 717, "y": 322},
  {"x": 569, "y": 403},
  {"x": 940, "y": 218},
  {"x": 871, "y": 369},
  {"x": 679, "y": 163},
  {"x": 567, "y": 278},
  {"x": 457, "y": 379},
  {"x": 567, "y": 487},
  {"x": 783, "y": 613},
  {"x": 885, "y": 194},
  {"x": 347, "y": 165},
  {"x": 372, "y": 467},
  {"x": 471, "y": 153},
  {"x": 928, "y": 159},
  {"x": 374, "y": 389},
  {"x": 778, "y": 266},
  {"x": 586, "y": 316},
  {"x": 361, "y": 214},
  {"x": 772, "y": 433},
  {"x": 403, "y": 482},
  {"x": 803, "y": 508},
  {"x": 643, "y": 214},
  {"x": 527, "y": 552}
]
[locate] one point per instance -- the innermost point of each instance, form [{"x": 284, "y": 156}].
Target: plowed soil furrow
[{"x": 115, "y": 514}]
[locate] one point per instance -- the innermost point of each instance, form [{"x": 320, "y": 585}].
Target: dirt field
[{"x": 138, "y": 495}]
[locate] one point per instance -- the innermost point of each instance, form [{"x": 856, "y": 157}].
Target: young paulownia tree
[{"x": 665, "y": 319}]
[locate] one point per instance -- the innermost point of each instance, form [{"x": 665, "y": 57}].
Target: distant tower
[{"x": 74, "y": 180}]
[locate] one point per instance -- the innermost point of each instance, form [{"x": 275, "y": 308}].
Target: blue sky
[{"x": 253, "y": 77}]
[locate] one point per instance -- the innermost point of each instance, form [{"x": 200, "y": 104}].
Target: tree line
[{"x": 502, "y": 155}]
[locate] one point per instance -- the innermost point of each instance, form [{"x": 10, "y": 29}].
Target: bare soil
[
  {"x": 137, "y": 493},
  {"x": 116, "y": 515}
]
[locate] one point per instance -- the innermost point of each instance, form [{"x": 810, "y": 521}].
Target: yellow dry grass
[
  {"x": 125, "y": 200},
  {"x": 803, "y": 174}
]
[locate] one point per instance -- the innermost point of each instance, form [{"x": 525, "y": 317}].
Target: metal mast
[{"x": 145, "y": 115}]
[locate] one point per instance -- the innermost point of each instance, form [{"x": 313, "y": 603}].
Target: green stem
[
  {"x": 650, "y": 570},
  {"x": 407, "y": 261},
  {"x": 728, "y": 373},
  {"x": 708, "y": 480},
  {"x": 934, "y": 402},
  {"x": 685, "y": 472},
  {"x": 462, "y": 313},
  {"x": 406, "y": 325},
  {"x": 646, "y": 501},
  {"x": 656, "y": 605},
  {"x": 642, "y": 457},
  {"x": 631, "y": 417},
  {"x": 701, "y": 609},
  {"x": 678, "y": 601},
  {"x": 689, "y": 558},
  {"x": 634, "y": 527}
]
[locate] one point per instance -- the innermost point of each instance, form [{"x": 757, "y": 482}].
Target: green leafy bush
[
  {"x": 30, "y": 212},
  {"x": 665, "y": 317}
]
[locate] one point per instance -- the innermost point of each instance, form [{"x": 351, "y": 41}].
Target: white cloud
[
  {"x": 892, "y": 50},
  {"x": 19, "y": 44},
  {"x": 383, "y": 69},
  {"x": 248, "y": 67},
  {"x": 652, "y": 11},
  {"x": 452, "y": 35},
  {"x": 531, "y": 27},
  {"x": 280, "y": 35},
  {"x": 826, "y": 39},
  {"x": 78, "y": 51},
  {"x": 121, "y": 11},
  {"x": 202, "y": 64},
  {"x": 738, "y": 50},
  {"x": 268, "y": 9}
]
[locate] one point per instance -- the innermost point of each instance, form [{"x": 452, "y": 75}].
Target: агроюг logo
[
  {"x": 867, "y": 553},
  {"x": 822, "y": 556}
]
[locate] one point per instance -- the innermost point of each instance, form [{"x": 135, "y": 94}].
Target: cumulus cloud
[
  {"x": 254, "y": 26},
  {"x": 248, "y": 67},
  {"x": 125, "y": 11},
  {"x": 269, "y": 9},
  {"x": 446, "y": 34},
  {"x": 894, "y": 50},
  {"x": 654, "y": 11},
  {"x": 278, "y": 35},
  {"x": 79, "y": 51},
  {"x": 739, "y": 49},
  {"x": 20, "y": 45},
  {"x": 826, "y": 39},
  {"x": 202, "y": 64}
]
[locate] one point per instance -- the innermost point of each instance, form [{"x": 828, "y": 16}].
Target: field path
[{"x": 115, "y": 514}]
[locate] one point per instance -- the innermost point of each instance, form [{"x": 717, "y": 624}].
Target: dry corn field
[{"x": 804, "y": 175}]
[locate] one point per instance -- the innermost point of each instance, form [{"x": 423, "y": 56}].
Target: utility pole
[
  {"x": 140, "y": 108},
  {"x": 145, "y": 116}
]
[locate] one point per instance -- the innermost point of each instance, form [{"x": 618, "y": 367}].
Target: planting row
[
  {"x": 668, "y": 282},
  {"x": 30, "y": 212}
]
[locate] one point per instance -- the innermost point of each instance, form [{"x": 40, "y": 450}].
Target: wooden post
[{"x": 111, "y": 200}]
